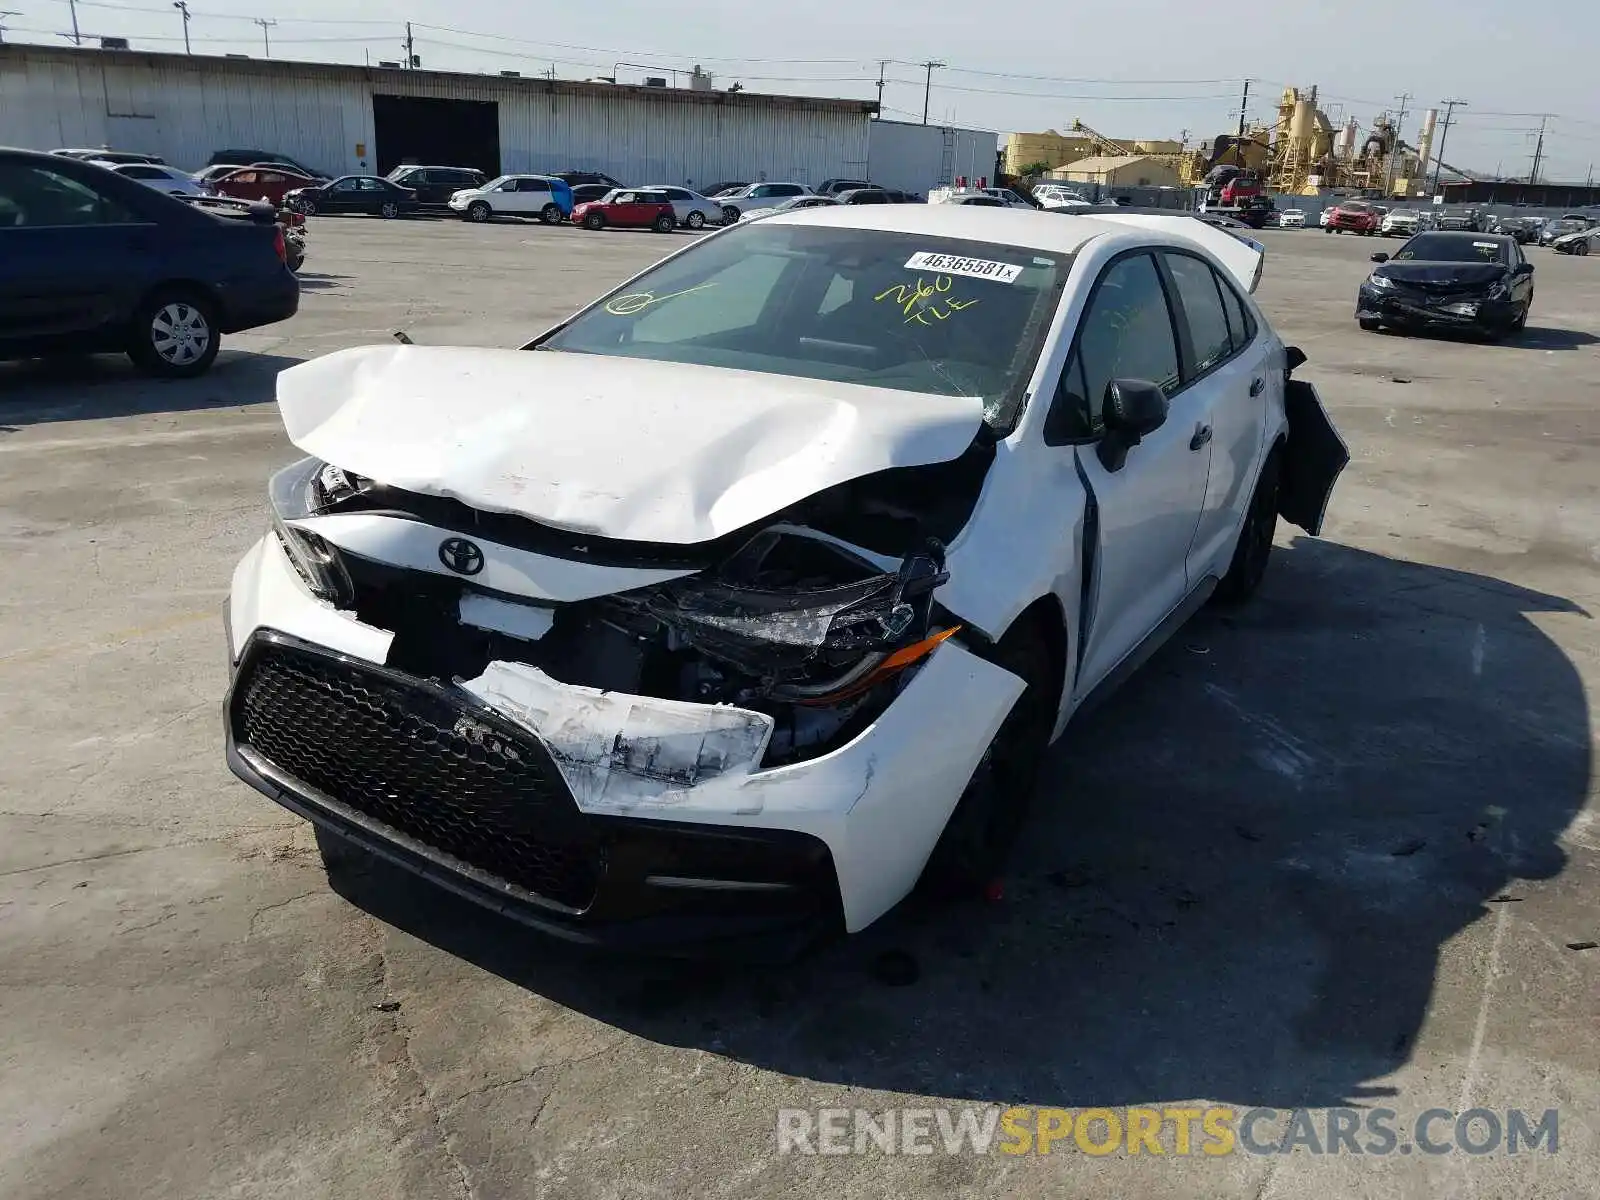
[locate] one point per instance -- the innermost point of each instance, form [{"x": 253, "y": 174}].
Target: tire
[
  {"x": 1521, "y": 322},
  {"x": 388, "y": 210},
  {"x": 1581, "y": 249},
  {"x": 175, "y": 334},
  {"x": 593, "y": 221},
  {"x": 730, "y": 215},
  {"x": 972, "y": 849},
  {"x": 551, "y": 214},
  {"x": 306, "y": 206},
  {"x": 1370, "y": 324},
  {"x": 1254, "y": 548},
  {"x": 295, "y": 257},
  {"x": 695, "y": 220},
  {"x": 665, "y": 223},
  {"x": 480, "y": 212}
]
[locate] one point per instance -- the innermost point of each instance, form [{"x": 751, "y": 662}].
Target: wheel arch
[
  {"x": 219, "y": 307},
  {"x": 1046, "y": 615}
]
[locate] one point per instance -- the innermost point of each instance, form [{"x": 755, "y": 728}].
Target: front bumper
[
  {"x": 1396, "y": 307},
  {"x": 760, "y": 853}
]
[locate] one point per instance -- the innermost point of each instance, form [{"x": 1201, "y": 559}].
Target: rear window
[{"x": 893, "y": 310}]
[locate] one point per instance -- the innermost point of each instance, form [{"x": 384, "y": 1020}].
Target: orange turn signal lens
[{"x": 898, "y": 661}]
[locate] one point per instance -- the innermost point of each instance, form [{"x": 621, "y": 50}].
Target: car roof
[
  {"x": 1466, "y": 235},
  {"x": 1024, "y": 228}
]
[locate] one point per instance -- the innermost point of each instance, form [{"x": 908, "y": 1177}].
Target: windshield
[
  {"x": 1568, "y": 225},
  {"x": 892, "y": 310},
  {"x": 1431, "y": 247}
]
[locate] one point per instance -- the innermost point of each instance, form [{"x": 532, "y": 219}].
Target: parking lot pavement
[{"x": 1335, "y": 849}]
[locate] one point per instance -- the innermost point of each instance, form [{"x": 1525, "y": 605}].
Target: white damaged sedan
[{"x": 751, "y": 595}]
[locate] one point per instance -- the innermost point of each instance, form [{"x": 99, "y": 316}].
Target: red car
[
  {"x": 258, "y": 183},
  {"x": 628, "y": 208},
  {"x": 1353, "y": 217}
]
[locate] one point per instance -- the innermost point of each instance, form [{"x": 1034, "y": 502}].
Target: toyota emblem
[{"x": 461, "y": 556}]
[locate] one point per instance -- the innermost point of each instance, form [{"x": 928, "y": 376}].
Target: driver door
[
  {"x": 1147, "y": 508},
  {"x": 341, "y": 196}
]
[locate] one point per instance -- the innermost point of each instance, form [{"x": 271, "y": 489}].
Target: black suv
[
  {"x": 95, "y": 262},
  {"x": 435, "y": 185}
]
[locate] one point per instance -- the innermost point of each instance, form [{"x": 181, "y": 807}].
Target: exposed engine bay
[{"x": 815, "y": 624}]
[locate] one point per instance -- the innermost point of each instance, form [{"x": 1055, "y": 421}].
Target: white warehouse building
[{"x": 345, "y": 119}]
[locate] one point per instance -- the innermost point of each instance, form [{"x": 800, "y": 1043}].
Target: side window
[
  {"x": 626, "y": 198},
  {"x": 787, "y": 189},
  {"x": 370, "y": 185},
  {"x": 765, "y": 189},
  {"x": 1241, "y": 325},
  {"x": 34, "y": 197},
  {"x": 344, "y": 185},
  {"x": 1125, "y": 333},
  {"x": 244, "y": 177},
  {"x": 1202, "y": 308},
  {"x": 273, "y": 177},
  {"x": 534, "y": 185}
]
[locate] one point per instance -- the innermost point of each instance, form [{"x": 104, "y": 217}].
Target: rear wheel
[
  {"x": 551, "y": 214},
  {"x": 972, "y": 850},
  {"x": 695, "y": 220},
  {"x": 175, "y": 334},
  {"x": 665, "y": 223},
  {"x": 593, "y": 221},
  {"x": 1254, "y": 547},
  {"x": 479, "y": 211}
]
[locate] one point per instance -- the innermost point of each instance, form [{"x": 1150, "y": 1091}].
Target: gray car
[{"x": 693, "y": 210}]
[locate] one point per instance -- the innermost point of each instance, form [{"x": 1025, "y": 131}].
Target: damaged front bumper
[
  {"x": 1423, "y": 311},
  {"x": 596, "y": 815}
]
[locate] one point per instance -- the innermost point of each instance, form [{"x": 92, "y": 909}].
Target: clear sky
[{"x": 1132, "y": 68}]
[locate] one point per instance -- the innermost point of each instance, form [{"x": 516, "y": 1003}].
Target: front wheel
[
  {"x": 665, "y": 223},
  {"x": 1370, "y": 324},
  {"x": 479, "y": 211},
  {"x": 306, "y": 206},
  {"x": 1254, "y": 548},
  {"x": 695, "y": 220},
  {"x": 551, "y": 214},
  {"x": 1581, "y": 249},
  {"x": 972, "y": 850},
  {"x": 175, "y": 334},
  {"x": 730, "y": 215},
  {"x": 389, "y": 210},
  {"x": 593, "y": 221}
]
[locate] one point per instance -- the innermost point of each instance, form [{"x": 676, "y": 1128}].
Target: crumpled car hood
[{"x": 621, "y": 448}]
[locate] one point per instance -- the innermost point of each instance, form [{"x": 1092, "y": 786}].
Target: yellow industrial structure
[{"x": 1301, "y": 153}]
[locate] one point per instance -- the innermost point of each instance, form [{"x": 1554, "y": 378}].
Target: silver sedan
[{"x": 692, "y": 209}]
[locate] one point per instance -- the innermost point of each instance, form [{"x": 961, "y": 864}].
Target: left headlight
[
  {"x": 1380, "y": 281},
  {"x": 300, "y": 490}
]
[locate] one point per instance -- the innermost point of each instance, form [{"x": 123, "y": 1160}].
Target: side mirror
[
  {"x": 1525, "y": 269},
  {"x": 1133, "y": 408},
  {"x": 1380, "y": 256}
]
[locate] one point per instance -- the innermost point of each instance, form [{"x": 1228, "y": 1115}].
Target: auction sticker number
[{"x": 974, "y": 268}]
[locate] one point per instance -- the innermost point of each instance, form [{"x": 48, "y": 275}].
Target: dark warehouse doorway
[{"x": 439, "y": 133}]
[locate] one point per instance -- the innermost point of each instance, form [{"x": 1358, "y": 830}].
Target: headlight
[
  {"x": 814, "y": 643},
  {"x": 1380, "y": 281},
  {"x": 300, "y": 490}
]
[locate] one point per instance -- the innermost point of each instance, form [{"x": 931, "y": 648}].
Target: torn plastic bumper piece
[{"x": 434, "y": 781}]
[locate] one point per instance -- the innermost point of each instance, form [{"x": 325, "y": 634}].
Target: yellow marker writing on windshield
[
  {"x": 637, "y": 302},
  {"x": 920, "y": 300}
]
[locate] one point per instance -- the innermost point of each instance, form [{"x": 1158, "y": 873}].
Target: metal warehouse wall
[
  {"x": 182, "y": 114},
  {"x": 908, "y": 157},
  {"x": 184, "y": 109}
]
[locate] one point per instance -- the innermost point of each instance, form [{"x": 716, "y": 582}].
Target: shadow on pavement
[
  {"x": 91, "y": 387},
  {"x": 1235, "y": 885}
]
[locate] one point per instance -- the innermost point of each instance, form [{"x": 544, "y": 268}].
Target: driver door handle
[
  {"x": 1257, "y": 385},
  {"x": 1202, "y": 435}
]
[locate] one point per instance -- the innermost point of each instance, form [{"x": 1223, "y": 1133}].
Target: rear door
[
  {"x": 1147, "y": 508},
  {"x": 1226, "y": 388},
  {"x": 73, "y": 260},
  {"x": 532, "y": 196}
]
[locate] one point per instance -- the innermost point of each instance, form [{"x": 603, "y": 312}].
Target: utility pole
[
  {"x": 1538, "y": 152},
  {"x": 1244, "y": 103},
  {"x": 1394, "y": 150},
  {"x": 266, "y": 41},
  {"x": 4, "y": 13},
  {"x": 183, "y": 7},
  {"x": 1450, "y": 107},
  {"x": 411, "y": 56},
  {"x": 927, "y": 88},
  {"x": 77, "y": 39},
  {"x": 883, "y": 65}
]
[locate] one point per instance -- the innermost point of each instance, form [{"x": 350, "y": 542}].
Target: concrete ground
[{"x": 1338, "y": 848}]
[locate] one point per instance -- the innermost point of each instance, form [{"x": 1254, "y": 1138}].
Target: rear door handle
[
  {"x": 1202, "y": 435},
  {"x": 1257, "y": 386}
]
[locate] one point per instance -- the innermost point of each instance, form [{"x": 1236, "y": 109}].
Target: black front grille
[{"x": 407, "y": 756}]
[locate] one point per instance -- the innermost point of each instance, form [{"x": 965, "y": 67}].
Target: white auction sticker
[
  {"x": 1487, "y": 245},
  {"x": 953, "y": 264}
]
